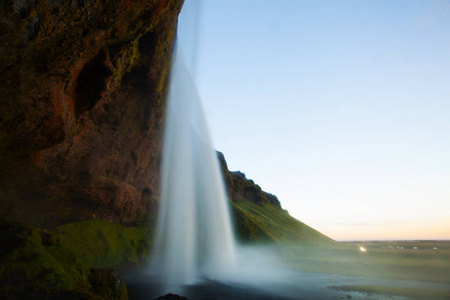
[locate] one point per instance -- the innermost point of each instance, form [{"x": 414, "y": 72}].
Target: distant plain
[{"x": 405, "y": 269}]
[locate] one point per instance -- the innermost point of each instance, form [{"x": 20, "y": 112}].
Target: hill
[
  {"x": 267, "y": 223},
  {"x": 259, "y": 217}
]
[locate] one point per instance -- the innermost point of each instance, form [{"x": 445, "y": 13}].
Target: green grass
[{"x": 270, "y": 224}]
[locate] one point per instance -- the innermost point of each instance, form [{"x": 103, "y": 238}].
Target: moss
[
  {"x": 103, "y": 244},
  {"x": 127, "y": 57},
  {"x": 36, "y": 263},
  {"x": 108, "y": 284},
  {"x": 33, "y": 266}
]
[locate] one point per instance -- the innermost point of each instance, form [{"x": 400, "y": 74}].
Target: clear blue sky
[{"x": 340, "y": 108}]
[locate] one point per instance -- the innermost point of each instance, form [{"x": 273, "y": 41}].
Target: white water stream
[{"x": 194, "y": 236}]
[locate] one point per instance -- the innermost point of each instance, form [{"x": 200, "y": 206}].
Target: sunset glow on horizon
[
  {"x": 424, "y": 230},
  {"x": 340, "y": 109}
]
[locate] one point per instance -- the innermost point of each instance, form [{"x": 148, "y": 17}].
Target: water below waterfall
[{"x": 194, "y": 237}]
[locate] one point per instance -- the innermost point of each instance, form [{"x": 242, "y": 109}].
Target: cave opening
[{"x": 91, "y": 83}]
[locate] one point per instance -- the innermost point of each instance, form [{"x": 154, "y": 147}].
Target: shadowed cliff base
[
  {"x": 37, "y": 264},
  {"x": 64, "y": 254},
  {"x": 65, "y": 262}
]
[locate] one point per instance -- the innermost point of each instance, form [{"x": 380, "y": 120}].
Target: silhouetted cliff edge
[{"x": 239, "y": 187}]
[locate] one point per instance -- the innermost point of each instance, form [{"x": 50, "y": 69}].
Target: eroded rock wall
[{"x": 82, "y": 97}]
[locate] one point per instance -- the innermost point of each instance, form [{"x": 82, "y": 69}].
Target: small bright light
[{"x": 362, "y": 249}]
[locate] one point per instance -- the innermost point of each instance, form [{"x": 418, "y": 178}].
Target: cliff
[
  {"x": 83, "y": 87},
  {"x": 239, "y": 187},
  {"x": 82, "y": 106}
]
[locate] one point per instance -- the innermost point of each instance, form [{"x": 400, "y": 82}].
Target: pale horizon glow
[{"x": 339, "y": 108}]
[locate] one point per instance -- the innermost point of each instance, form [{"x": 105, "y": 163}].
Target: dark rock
[
  {"x": 171, "y": 297},
  {"x": 82, "y": 93},
  {"x": 239, "y": 187},
  {"x": 107, "y": 284}
]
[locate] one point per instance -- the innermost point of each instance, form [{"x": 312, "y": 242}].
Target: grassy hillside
[{"x": 268, "y": 223}]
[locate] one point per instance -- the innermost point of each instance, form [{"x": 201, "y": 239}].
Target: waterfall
[{"x": 194, "y": 237}]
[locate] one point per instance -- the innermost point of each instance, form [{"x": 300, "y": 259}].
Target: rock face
[
  {"x": 82, "y": 96},
  {"x": 239, "y": 187}
]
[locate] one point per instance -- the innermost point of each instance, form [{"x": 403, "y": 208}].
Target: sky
[{"x": 339, "y": 108}]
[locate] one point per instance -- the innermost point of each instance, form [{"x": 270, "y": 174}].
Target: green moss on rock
[
  {"x": 34, "y": 263},
  {"x": 108, "y": 284},
  {"x": 104, "y": 244},
  {"x": 69, "y": 263}
]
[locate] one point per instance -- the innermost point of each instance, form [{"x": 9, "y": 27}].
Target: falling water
[{"x": 194, "y": 237}]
